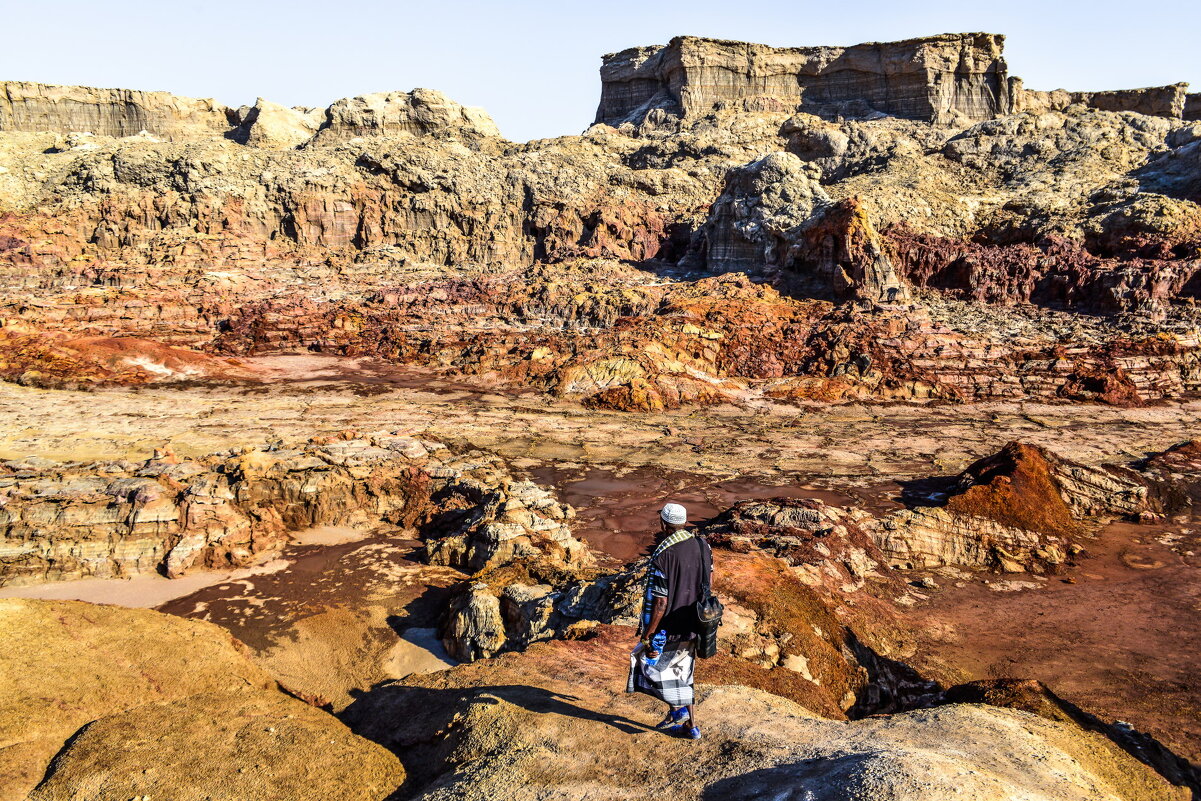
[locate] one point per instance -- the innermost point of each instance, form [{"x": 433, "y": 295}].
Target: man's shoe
[
  {"x": 674, "y": 717},
  {"x": 694, "y": 733}
]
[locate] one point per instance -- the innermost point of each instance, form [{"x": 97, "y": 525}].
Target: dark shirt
[{"x": 676, "y": 575}]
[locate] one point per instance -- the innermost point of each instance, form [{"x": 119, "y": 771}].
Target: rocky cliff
[
  {"x": 1159, "y": 101},
  {"x": 960, "y": 76},
  {"x": 36, "y": 107},
  {"x": 26, "y": 106},
  {"x": 326, "y": 230},
  {"x": 947, "y": 79}
]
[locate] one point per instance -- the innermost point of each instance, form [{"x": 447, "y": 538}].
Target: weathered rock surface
[
  {"x": 552, "y": 723},
  {"x": 35, "y": 107},
  {"x": 54, "y": 359},
  {"x": 236, "y": 508},
  {"x": 384, "y": 234},
  {"x": 135, "y": 703},
  {"x": 1022, "y": 509},
  {"x": 952, "y": 76},
  {"x": 26, "y": 106},
  {"x": 1157, "y": 101},
  {"x": 947, "y": 79},
  {"x": 1192, "y": 106},
  {"x": 270, "y": 125},
  {"x": 486, "y": 525},
  {"x": 420, "y": 112}
]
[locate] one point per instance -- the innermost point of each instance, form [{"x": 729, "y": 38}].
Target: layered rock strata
[
  {"x": 1022, "y": 509},
  {"x": 36, "y": 107},
  {"x": 403, "y": 221},
  {"x": 1158, "y": 101},
  {"x": 951, "y": 78},
  {"x": 26, "y": 106},
  {"x": 236, "y": 508},
  {"x": 960, "y": 76}
]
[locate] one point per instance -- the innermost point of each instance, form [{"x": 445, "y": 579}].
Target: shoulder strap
[{"x": 706, "y": 567}]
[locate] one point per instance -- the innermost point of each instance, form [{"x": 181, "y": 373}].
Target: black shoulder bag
[{"x": 708, "y": 608}]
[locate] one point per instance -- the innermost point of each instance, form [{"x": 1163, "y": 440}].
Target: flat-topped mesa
[
  {"x": 936, "y": 79},
  {"x": 38, "y": 107},
  {"x": 952, "y": 78}
]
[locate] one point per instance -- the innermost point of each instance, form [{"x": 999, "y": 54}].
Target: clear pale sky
[{"x": 533, "y": 65}]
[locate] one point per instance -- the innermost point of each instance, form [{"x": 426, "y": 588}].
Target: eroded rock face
[
  {"x": 420, "y": 112},
  {"x": 400, "y": 226},
  {"x": 1021, "y": 509},
  {"x": 26, "y": 106},
  {"x": 932, "y": 79},
  {"x": 136, "y": 702},
  {"x": 774, "y": 213},
  {"x": 495, "y": 524},
  {"x": 952, "y": 78},
  {"x": 237, "y": 508},
  {"x": 1158, "y": 101}
]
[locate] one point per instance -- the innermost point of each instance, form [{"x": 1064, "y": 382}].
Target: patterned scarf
[{"x": 652, "y": 572}]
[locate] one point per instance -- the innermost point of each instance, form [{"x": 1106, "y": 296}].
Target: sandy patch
[
  {"x": 139, "y": 592},
  {"x": 417, "y": 651},
  {"x": 328, "y": 535}
]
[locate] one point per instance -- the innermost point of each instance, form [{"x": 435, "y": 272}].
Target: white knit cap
[{"x": 674, "y": 514}]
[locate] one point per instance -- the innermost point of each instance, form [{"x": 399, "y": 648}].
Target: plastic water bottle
[{"x": 657, "y": 643}]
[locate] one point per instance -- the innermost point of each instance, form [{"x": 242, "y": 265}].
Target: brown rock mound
[
  {"x": 136, "y": 702},
  {"x": 1015, "y": 487}
]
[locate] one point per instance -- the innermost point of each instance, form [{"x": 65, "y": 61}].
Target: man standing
[{"x": 662, "y": 664}]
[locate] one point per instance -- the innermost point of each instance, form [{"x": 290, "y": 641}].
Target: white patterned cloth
[{"x": 669, "y": 679}]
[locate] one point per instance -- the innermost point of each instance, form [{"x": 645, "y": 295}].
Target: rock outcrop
[
  {"x": 400, "y": 226},
  {"x": 774, "y": 213},
  {"x": 493, "y": 523},
  {"x": 947, "y": 79},
  {"x": 936, "y": 79},
  {"x": 1192, "y": 106},
  {"x": 1022, "y": 509},
  {"x": 26, "y": 106},
  {"x": 552, "y": 723},
  {"x": 237, "y": 508},
  {"x": 36, "y": 107},
  {"x": 98, "y": 702},
  {"x": 270, "y": 125},
  {"x": 417, "y": 113},
  {"x": 1156, "y": 101}
]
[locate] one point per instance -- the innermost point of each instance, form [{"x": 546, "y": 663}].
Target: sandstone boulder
[{"x": 135, "y": 702}]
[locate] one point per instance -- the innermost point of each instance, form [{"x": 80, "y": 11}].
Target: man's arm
[
  {"x": 658, "y": 610},
  {"x": 659, "y": 594}
]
